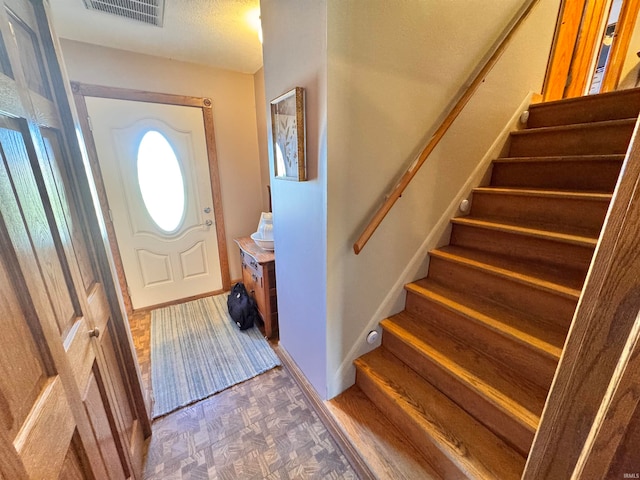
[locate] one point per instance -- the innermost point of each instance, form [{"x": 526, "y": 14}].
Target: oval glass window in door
[{"x": 161, "y": 181}]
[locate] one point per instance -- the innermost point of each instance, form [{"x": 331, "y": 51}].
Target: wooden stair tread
[
  {"x": 541, "y": 336},
  {"x": 624, "y": 122},
  {"x": 384, "y": 448},
  {"x": 546, "y": 193},
  {"x": 603, "y": 137},
  {"x": 588, "y": 99},
  {"x": 566, "y": 283},
  {"x": 586, "y": 173},
  {"x": 476, "y": 451},
  {"x": 589, "y": 108},
  {"x": 562, "y": 158},
  {"x": 510, "y": 393},
  {"x": 533, "y": 230}
]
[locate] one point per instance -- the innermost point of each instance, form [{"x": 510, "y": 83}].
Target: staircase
[{"x": 464, "y": 371}]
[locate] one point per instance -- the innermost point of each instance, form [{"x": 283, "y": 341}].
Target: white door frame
[{"x": 82, "y": 90}]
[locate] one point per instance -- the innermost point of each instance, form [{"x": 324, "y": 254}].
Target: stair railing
[{"x": 396, "y": 192}]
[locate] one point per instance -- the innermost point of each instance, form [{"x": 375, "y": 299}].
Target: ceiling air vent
[{"x": 146, "y": 11}]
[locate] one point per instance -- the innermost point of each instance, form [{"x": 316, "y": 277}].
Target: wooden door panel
[
  {"x": 80, "y": 351},
  {"x": 577, "y": 44},
  {"x": 31, "y": 387},
  {"x": 113, "y": 365},
  {"x": 44, "y": 453},
  {"x": 22, "y": 373},
  {"x": 63, "y": 414},
  {"x": 129, "y": 428},
  {"x": 30, "y": 55},
  {"x": 45, "y": 244},
  {"x": 72, "y": 214},
  {"x": 100, "y": 421},
  {"x": 10, "y": 97},
  {"x": 11, "y": 467},
  {"x": 109, "y": 407},
  {"x": 50, "y": 238},
  {"x": 75, "y": 462},
  {"x": 5, "y": 64},
  {"x": 91, "y": 372}
]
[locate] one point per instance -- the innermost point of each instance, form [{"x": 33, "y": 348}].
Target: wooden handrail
[{"x": 400, "y": 187}]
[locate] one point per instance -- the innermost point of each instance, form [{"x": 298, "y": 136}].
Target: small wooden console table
[{"x": 259, "y": 278}]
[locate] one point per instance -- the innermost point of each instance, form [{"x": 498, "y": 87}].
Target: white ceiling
[{"x": 219, "y": 33}]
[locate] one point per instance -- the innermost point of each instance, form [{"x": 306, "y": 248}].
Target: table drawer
[
  {"x": 250, "y": 263},
  {"x": 259, "y": 278}
]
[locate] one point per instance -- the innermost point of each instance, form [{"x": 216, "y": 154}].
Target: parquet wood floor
[{"x": 260, "y": 429}]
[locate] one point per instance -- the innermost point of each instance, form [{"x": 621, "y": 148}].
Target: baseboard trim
[{"x": 351, "y": 454}]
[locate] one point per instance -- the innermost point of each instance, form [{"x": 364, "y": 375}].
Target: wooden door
[
  {"x": 165, "y": 226},
  {"x": 581, "y": 36},
  {"x": 70, "y": 398}
]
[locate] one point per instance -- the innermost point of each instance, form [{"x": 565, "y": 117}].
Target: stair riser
[
  {"x": 596, "y": 108},
  {"x": 507, "y": 292},
  {"x": 563, "y": 255},
  {"x": 601, "y": 140},
  {"x": 535, "y": 365},
  {"x": 500, "y": 422},
  {"x": 570, "y": 212},
  {"x": 420, "y": 439},
  {"x": 591, "y": 176}
]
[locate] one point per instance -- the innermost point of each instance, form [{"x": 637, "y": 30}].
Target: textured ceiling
[{"x": 219, "y": 33}]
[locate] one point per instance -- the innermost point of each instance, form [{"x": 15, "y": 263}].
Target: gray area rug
[{"x": 196, "y": 351}]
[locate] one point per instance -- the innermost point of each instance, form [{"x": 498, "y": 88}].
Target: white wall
[
  {"x": 392, "y": 69},
  {"x": 378, "y": 76},
  {"x": 234, "y": 112},
  {"x": 295, "y": 55}
]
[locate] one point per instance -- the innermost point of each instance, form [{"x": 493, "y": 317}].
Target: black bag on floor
[{"x": 242, "y": 307}]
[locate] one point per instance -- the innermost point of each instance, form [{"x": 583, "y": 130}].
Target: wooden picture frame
[{"x": 288, "y": 128}]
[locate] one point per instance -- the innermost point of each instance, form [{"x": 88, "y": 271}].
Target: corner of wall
[{"x": 295, "y": 55}]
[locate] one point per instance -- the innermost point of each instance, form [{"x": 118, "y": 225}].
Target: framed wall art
[{"x": 288, "y": 125}]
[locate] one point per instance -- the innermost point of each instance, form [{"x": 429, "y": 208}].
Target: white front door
[{"x": 154, "y": 164}]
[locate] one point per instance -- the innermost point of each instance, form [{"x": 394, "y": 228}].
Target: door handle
[{"x": 95, "y": 332}]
